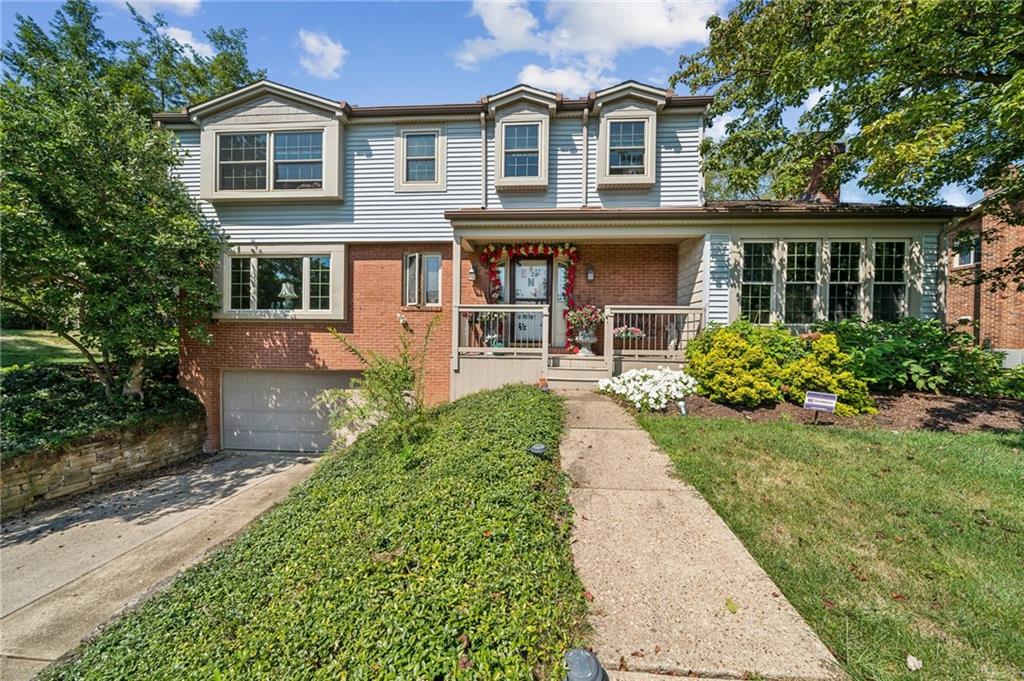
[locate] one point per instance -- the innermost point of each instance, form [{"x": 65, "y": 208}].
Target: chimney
[{"x": 814, "y": 193}]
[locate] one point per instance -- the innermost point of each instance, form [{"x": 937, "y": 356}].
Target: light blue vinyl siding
[
  {"x": 929, "y": 276},
  {"x": 565, "y": 170},
  {"x": 717, "y": 265}
]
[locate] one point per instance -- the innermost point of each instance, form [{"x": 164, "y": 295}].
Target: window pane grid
[
  {"x": 801, "y": 275},
  {"x": 626, "y": 147},
  {"x": 298, "y": 160},
  {"x": 844, "y": 280},
  {"x": 521, "y": 137},
  {"x": 241, "y": 284},
  {"x": 420, "y": 170},
  {"x": 522, "y": 153},
  {"x": 889, "y": 294},
  {"x": 756, "y": 288},
  {"x": 320, "y": 282}
]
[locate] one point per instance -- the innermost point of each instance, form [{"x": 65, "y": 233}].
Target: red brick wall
[
  {"x": 373, "y": 299},
  {"x": 999, "y": 314}
]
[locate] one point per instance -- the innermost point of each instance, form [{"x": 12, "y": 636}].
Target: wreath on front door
[{"x": 492, "y": 256}]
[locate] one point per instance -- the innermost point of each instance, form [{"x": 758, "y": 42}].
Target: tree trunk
[{"x": 133, "y": 381}]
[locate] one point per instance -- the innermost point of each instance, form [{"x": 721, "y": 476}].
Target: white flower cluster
[{"x": 649, "y": 389}]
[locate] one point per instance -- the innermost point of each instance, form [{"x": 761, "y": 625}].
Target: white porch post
[
  {"x": 545, "y": 327},
  {"x": 609, "y": 340}
]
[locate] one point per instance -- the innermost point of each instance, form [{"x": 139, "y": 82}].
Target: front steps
[{"x": 575, "y": 372}]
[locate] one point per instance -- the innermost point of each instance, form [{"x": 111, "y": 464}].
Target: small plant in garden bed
[
  {"x": 649, "y": 389},
  {"x": 628, "y": 333},
  {"x": 447, "y": 559}
]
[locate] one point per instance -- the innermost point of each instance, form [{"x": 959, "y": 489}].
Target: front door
[{"x": 531, "y": 285}]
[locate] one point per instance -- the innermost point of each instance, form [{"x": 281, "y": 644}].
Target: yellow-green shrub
[
  {"x": 732, "y": 370},
  {"x": 826, "y": 369}
]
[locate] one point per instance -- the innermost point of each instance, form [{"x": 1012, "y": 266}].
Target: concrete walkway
[
  {"x": 70, "y": 569},
  {"x": 661, "y": 566}
]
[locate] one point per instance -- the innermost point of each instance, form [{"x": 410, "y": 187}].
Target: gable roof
[{"x": 263, "y": 88}]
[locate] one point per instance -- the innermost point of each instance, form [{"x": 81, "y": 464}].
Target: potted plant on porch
[{"x": 584, "y": 320}]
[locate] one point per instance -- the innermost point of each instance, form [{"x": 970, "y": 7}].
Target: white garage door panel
[{"x": 275, "y": 410}]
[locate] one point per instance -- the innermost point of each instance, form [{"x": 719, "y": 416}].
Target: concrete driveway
[{"x": 69, "y": 569}]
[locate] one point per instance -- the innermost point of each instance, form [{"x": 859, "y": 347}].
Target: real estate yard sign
[{"x": 819, "y": 402}]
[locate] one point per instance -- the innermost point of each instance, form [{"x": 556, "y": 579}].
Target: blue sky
[{"x": 427, "y": 52}]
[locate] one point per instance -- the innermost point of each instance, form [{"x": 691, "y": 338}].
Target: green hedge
[
  {"x": 449, "y": 558},
  {"x": 51, "y": 404}
]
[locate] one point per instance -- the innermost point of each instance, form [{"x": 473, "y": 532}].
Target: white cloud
[
  {"x": 185, "y": 37},
  {"x": 148, "y": 8},
  {"x": 816, "y": 95},
  {"x": 957, "y": 196},
  {"x": 717, "y": 129},
  {"x": 322, "y": 57},
  {"x": 582, "y": 40},
  {"x": 570, "y": 81}
]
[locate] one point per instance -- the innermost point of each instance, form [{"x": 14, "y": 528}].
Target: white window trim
[
  {"x": 419, "y": 299},
  {"x": 975, "y": 252},
  {"x": 872, "y": 244},
  {"x": 630, "y": 114},
  {"x": 337, "y": 274},
  {"x": 525, "y": 117},
  {"x": 773, "y": 309},
  {"x": 440, "y": 160},
  {"x": 331, "y": 157},
  {"x": 783, "y": 260}
]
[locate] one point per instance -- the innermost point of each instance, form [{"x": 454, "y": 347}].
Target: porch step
[{"x": 577, "y": 377}]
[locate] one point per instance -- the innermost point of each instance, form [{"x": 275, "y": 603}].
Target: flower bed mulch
[{"x": 906, "y": 411}]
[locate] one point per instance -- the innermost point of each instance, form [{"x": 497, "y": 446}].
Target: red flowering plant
[{"x": 584, "y": 317}]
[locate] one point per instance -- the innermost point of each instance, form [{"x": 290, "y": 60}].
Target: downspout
[
  {"x": 586, "y": 156},
  {"x": 483, "y": 159}
]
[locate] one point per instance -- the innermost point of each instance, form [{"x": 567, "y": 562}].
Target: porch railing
[
  {"x": 504, "y": 330},
  {"x": 649, "y": 332}
]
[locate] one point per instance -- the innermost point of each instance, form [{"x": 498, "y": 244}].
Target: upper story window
[
  {"x": 243, "y": 160},
  {"x": 420, "y": 160},
  {"x": 626, "y": 147},
  {"x": 298, "y": 160},
  {"x": 522, "y": 150},
  {"x": 279, "y": 282}
]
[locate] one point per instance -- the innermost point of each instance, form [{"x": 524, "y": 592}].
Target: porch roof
[{"x": 714, "y": 210}]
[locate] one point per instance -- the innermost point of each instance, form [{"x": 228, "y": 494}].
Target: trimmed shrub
[
  {"x": 753, "y": 366},
  {"x": 649, "y": 389},
  {"x": 731, "y": 369},
  {"x": 826, "y": 369}
]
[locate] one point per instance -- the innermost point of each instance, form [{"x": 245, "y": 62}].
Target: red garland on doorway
[{"x": 492, "y": 255}]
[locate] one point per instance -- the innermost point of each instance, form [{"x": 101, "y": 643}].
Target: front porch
[{"x": 499, "y": 344}]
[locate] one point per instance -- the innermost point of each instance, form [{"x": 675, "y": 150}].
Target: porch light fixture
[
  {"x": 472, "y": 272},
  {"x": 590, "y": 273}
]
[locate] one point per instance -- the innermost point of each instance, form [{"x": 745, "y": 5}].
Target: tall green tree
[
  {"x": 925, "y": 93},
  {"x": 100, "y": 242}
]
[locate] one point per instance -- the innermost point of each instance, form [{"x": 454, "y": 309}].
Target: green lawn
[
  {"x": 22, "y": 346},
  {"x": 447, "y": 559},
  {"x": 887, "y": 543}
]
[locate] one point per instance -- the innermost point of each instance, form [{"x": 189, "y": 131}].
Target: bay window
[{"x": 277, "y": 282}]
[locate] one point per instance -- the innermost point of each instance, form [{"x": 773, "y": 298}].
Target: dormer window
[
  {"x": 626, "y": 147},
  {"x": 243, "y": 161},
  {"x": 522, "y": 150}
]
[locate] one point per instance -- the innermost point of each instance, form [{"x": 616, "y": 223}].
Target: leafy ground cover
[
  {"x": 29, "y": 346},
  {"x": 887, "y": 543},
  {"x": 448, "y": 558},
  {"x": 51, "y": 404}
]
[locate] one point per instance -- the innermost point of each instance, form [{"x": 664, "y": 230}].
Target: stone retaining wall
[{"x": 81, "y": 465}]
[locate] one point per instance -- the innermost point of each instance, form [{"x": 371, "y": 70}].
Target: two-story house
[{"x": 499, "y": 216}]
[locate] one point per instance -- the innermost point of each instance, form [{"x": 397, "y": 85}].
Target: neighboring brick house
[
  {"x": 499, "y": 215},
  {"x": 995, "y": 317}
]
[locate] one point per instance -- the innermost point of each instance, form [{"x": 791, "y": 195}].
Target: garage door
[{"x": 275, "y": 411}]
